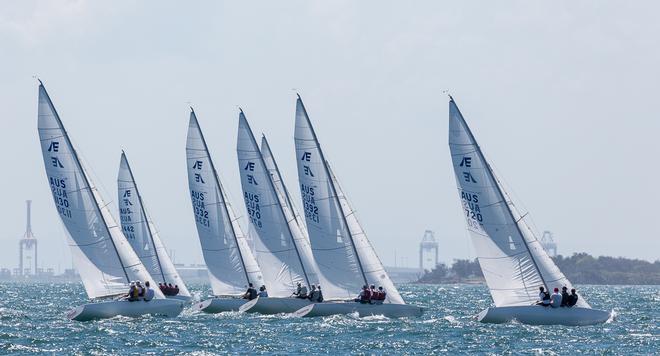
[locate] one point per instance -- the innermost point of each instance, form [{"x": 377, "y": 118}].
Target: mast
[
  {"x": 499, "y": 191},
  {"x": 82, "y": 171},
  {"x": 144, "y": 213},
  {"x": 334, "y": 191},
  {"x": 217, "y": 181},
  {"x": 272, "y": 186}
]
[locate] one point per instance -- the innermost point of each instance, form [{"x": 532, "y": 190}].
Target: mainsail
[
  {"x": 104, "y": 259},
  {"x": 343, "y": 253},
  {"x": 228, "y": 257},
  {"x": 282, "y": 249},
  {"x": 141, "y": 232},
  {"x": 512, "y": 259}
]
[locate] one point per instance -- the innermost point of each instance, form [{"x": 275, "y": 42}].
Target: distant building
[
  {"x": 27, "y": 249},
  {"x": 428, "y": 251},
  {"x": 549, "y": 244}
]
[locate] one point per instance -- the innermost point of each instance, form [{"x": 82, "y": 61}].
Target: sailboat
[
  {"x": 104, "y": 259},
  {"x": 141, "y": 232},
  {"x": 282, "y": 249},
  {"x": 512, "y": 259},
  {"x": 340, "y": 246},
  {"x": 229, "y": 260}
]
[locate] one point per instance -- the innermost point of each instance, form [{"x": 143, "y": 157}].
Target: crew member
[
  {"x": 381, "y": 295},
  {"x": 262, "y": 292},
  {"x": 564, "y": 296},
  {"x": 365, "y": 295},
  {"x": 555, "y": 299},
  {"x": 573, "y": 298},
  {"x": 313, "y": 294},
  {"x": 250, "y": 293},
  {"x": 148, "y": 292},
  {"x": 301, "y": 291},
  {"x": 132, "y": 292},
  {"x": 544, "y": 297}
]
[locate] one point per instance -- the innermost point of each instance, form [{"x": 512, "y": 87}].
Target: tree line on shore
[{"x": 579, "y": 268}]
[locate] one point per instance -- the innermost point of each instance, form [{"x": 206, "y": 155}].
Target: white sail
[
  {"x": 141, "y": 232},
  {"x": 282, "y": 250},
  {"x": 227, "y": 254},
  {"x": 104, "y": 259},
  {"x": 278, "y": 181},
  {"x": 512, "y": 260},
  {"x": 342, "y": 251}
]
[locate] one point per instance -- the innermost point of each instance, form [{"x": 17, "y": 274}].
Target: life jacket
[
  {"x": 320, "y": 298},
  {"x": 382, "y": 295},
  {"x": 546, "y": 296},
  {"x": 134, "y": 293}
]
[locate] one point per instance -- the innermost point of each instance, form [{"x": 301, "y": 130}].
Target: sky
[{"x": 562, "y": 97}]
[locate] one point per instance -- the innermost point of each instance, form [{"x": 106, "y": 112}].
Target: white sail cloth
[
  {"x": 228, "y": 257},
  {"x": 512, "y": 260},
  {"x": 282, "y": 250},
  {"x": 141, "y": 232},
  {"x": 342, "y": 251},
  {"x": 278, "y": 181},
  {"x": 104, "y": 259}
]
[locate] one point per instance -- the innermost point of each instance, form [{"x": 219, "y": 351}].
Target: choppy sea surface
[{"x": 32, "y": 320}]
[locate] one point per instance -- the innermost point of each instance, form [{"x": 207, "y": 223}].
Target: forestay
[
  {"x": 512, "y": 260},
  {"x": 141, "y": 232},
  {"x": 228, "y": 257},
  {"x": 282, "y": 250},
  {"x": 104, "y": 259},
  {"x": 343, "y": 253}
]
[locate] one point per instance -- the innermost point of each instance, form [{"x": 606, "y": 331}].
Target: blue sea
[{"x": 32, "y": 321}]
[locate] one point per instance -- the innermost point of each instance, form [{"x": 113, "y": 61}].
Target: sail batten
[
  {"x": 340, "y": 246},
  {"x": 228, "y": 257},
  {"x": 101, "y": 254},
  {"x": 513, "y": 262}
]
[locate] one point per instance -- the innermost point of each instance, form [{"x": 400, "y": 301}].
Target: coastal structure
[
  {"x": 27, "y": 249},
  {"x": 428, "y": 251},
  {"x": 549, "y": 244}
]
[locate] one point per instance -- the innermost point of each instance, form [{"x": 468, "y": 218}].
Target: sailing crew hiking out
[
  {"x": 557, "y": 299},
  {"x": 168, "y": 289},
  {"x": 250, "y": 293},
  {"x": 138, "y": 292},
  {"x": 369, "y": 295}
]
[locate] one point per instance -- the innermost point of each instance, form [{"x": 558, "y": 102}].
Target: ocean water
[{"x": 32, "y": 320}]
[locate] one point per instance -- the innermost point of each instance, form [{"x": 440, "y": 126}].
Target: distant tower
[
  {"x": 549, "y": 244},
  {"x": 428, "y": 251},
  {"x": 27, "y": 249}
]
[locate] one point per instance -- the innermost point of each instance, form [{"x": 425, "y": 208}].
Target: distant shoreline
[{"x": 580, "y": 268}]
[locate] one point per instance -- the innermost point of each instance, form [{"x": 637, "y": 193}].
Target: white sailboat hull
[
  {"x": 109, "y": 309},
  {"x": 181, "y": 298},
  {"x": 539, "y": 315},
  {"x": 219, "y": 305},
  {"x": 332, "y": 308},
  {"x": 273, "y": 305}
]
